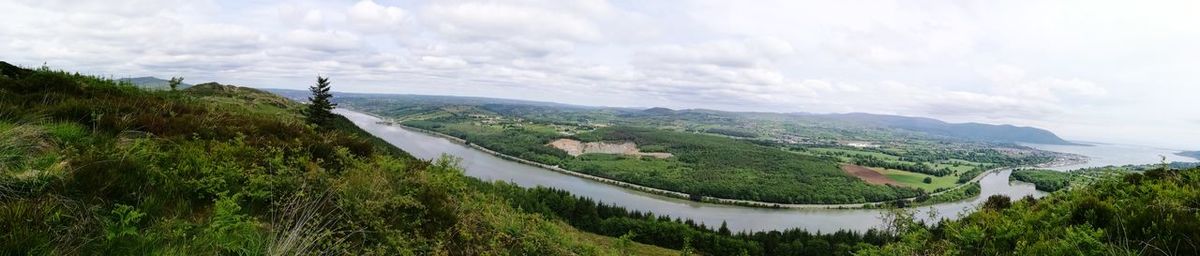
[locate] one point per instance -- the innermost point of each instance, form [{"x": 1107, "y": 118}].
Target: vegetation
[
  {"x": 93, "y": 166},
  {"x": 967, "y": 191},
  {"x": 761, "y": 173},
  {"x": 1051, "y": 180},
  {"x": 702, "y": 164},
  {"x": 1044, "y": 180},
  {"x": 174, "y": 82},
  {"x": 319, "y": 107},
  {"x": 1130, "y": 214},
  {"x": 646, "y": 227}
]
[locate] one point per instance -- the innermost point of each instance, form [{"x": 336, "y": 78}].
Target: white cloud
[
  {"x": 1071, "y": 67},
  {"x": 369, "y": 16},
  {"x": 474, "y": 20}
]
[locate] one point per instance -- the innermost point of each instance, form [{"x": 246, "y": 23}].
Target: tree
[
  {"x": 928, "y": 180},
  {"x": 174, "y": 82},
  {"x": 724, "y": 230},
  {"x": 319, "y": 106}
]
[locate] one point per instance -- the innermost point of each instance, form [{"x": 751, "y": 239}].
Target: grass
[{"x": 916, "y": 180}]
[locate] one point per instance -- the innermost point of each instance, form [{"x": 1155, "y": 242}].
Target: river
[
  {"x": 488, "y": 167},
  {"x": 1105, "y": 154}
]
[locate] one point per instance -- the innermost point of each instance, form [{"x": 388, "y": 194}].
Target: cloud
[
  {"x": 368, "y": 16},
  {"x": 328, "y": 41},
  {"x": 479, "y": 20},
  {"x": 1060, "y": 65}
]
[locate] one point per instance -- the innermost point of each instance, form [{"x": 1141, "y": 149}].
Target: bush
[{"x": 997, "y": 202}]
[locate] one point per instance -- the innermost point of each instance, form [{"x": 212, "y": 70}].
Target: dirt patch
[
  {"x": 868, "y": 175},
  {"x": 576, "y": 148}
]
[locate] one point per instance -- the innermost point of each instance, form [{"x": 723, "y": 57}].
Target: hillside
[
  {"x": 969, "y": 131},
  {"x": 97, "y": 167},
  {"x": 1150, "y": 213},
  {"x": 153, "y": 83},
  {"x": 1192, "y": 154}
]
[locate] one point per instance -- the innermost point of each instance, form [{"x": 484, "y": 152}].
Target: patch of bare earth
[
  {"x": 576, "y": 148},
  {"x": 868, "y": 175}
]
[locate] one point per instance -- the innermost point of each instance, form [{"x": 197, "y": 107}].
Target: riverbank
[{"x": 677, "y": 194}]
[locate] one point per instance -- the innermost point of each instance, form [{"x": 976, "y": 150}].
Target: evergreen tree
[
  {"x": 724, "y": 230},
  {"x": 319, "y": 106}
]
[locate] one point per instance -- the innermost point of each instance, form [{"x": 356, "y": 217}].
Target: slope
[
  {"x": 93, "y": 166},
  {"x": 1150, "y": 213}
]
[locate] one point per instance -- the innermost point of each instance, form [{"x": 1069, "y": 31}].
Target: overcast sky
[{"x": 1112, "y": 71}]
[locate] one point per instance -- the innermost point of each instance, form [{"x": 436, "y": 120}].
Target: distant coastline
[{"x": 1191, "y": 154}]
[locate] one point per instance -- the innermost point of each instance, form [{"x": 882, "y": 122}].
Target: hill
[
  {"x": 98, "y": 167},
  {"x": 1192, "y": 154},
  {"x": 1150, "y": 213},
  {"x": 149, "y": 82},
  {"x": 928, "y": 126},
  {"x": 969, "y": 131}
]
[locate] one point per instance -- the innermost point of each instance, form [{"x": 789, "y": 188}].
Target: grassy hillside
[
  {"x": 93, "y": 166},
  {"x": 1154, "y": 213}
]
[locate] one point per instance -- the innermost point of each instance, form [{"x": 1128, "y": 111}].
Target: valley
[{"x": 700, "y": 144}]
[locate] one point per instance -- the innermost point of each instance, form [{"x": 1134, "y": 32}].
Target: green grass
[
  {"x": 854, "y": 152},
  {"x": 916, "y": 180}
]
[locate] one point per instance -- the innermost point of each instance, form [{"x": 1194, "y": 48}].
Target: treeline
[
  {"x": 903, "y": 166},
  {"x": 731, "y": 132},
  {"x": 647, "y": 227},
  {"x": 970, "y": 174},
  {"x": 1044, "y": 180}
]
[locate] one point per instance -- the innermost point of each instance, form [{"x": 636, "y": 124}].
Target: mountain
[
  {"x": 970, "y": 131},
  {"x": 964, "y": 131},
  {"x": 1192, "y": 154},
  {"x": 302, "y": 95},
  {"x": 150, "y": 82}
]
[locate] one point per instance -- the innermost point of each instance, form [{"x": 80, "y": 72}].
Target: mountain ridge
[{"x": 1003, "y": 133}]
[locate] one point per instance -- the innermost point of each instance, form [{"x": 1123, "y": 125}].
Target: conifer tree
[{"x": 319, "y": 106}]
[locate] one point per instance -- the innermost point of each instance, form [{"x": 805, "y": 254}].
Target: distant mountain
[
  {"x": 970, "y": 131},
  {"x": 150, "y": 82},
  {"x": 302, "y": 96},
  {"x": 965, "y": 131},
  {"x": 1192, "y": 154}
]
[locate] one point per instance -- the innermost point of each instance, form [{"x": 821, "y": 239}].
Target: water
[
  {"x": 488, "y": 167},
  {"x": 1105, "y": 154}
]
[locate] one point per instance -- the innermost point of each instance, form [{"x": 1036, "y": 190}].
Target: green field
[{"x": 913, "y": 179}]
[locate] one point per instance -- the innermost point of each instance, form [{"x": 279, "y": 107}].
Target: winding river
[{"x": 489, "y": 167}]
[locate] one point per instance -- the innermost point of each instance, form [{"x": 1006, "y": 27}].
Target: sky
[{"x": 1108, "y": 71}]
